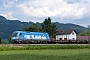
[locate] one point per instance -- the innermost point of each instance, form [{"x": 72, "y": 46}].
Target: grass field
[{"x": 61, "y": 54}]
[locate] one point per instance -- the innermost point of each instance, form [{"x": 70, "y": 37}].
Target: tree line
[
  {"x": 85, "y": 33},
  {"x": 46, "y": 26},
  {"x": 50, "y": 28}
]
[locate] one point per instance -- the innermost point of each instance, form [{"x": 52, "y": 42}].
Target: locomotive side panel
[{"x": 28, "y": 37}]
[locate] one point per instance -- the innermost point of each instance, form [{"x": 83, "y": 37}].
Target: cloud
[
  {"x": 38, "y": 12},
  {"x": 53, "y": 8},
  {"x": 8, "y": 3},
  {"x": 8, "y": 15}
]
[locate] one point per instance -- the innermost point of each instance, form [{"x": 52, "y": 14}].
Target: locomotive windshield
[{"x": 14, "y": 34}]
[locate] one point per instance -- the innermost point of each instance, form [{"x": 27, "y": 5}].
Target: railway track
[{"x": 21, "y": 45}]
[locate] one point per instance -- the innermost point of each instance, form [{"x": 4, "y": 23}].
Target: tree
[
  {"x": 46, "y": 25},
  {"x": 49, "y": 27},
  {"x": 33, "y": 27},
  {"x": 53, "y": 30},
  {"x": 85, "y": 33},
  {"x": 9, "y": 39}
]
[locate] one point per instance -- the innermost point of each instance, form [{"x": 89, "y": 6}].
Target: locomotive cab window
[
  {"x": 20, "y": 34},
  {"x": 15, "y": 34}
]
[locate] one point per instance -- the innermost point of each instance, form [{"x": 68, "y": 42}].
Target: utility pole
[
  {"x": 88, "y": 34},
  {"x": 0, "y": 40}
]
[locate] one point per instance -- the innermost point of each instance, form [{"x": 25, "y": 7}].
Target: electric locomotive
[{"x": 30, "y": 37}]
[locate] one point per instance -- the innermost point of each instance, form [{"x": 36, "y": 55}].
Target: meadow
[
  {"x": 59, "y": 54},
  {"x": 67, "y": 52}
]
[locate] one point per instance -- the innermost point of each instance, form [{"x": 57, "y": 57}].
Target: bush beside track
[{"x": 35, "y": 47}]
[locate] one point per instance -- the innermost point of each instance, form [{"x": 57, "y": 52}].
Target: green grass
[
  {"x": 60, "y": 54},
  {"x": 5, "y": 41},
  {"x": 4, "y": 47}
]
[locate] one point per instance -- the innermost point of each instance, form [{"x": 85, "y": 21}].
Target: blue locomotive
[{"x": 30, "y": 37}]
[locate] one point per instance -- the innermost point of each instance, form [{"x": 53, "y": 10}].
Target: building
[{"x": 66, "y": 35}]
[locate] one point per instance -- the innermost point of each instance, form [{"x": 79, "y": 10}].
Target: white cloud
[
  {"x": 52, "y": 8},
  {"x": 8, "y": 3},
  {"x": 8, "y": 15}
]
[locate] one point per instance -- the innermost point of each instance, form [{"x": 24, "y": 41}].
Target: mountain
[
  {"x": 9, "y": 26},
  {"x": 69, "y": 26}
]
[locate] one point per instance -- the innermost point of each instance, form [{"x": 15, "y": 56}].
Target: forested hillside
[{"x": 8, "y": 26}]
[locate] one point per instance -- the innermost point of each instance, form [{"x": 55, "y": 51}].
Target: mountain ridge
[{"x": 9, "y": 26}]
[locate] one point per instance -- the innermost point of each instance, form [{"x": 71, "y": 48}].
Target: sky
[{"x": 62, "y": 11}]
